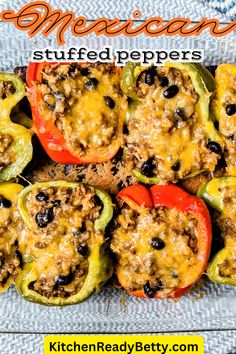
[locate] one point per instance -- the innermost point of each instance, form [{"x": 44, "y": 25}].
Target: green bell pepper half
[
  {"x": 211, "y": 193},
  {"x": 204, "y": 85},
  {"x": 21, "y": 146},
  {"x": 100, "y": 265}
]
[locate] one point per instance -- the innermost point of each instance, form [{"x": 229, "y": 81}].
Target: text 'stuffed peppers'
[
  {"x": 10, "y": 227},
  {"x": 171, "y": 135},
  {"x": 162, "y": 240},
  {"x": 63, "y": 246},
  {"x": 15, "y": 139},
  {"x": 220, "y": 193}
]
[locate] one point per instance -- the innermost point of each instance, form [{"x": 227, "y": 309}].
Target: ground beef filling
[
  {"x": 166, "y": 136},
  {"x": 228, "y": 267},
  {"x": 226, "y": 222},
  {"x": 60, "y": 239},
  {"x": 86, "y": 103},
  {"x": 156, "y": 248},
  {"x": 6, "y": 156},
  {"x": 10, "y": 226}
]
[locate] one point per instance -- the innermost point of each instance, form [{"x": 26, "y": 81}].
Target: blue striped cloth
[{"x": 225, "y": 7}]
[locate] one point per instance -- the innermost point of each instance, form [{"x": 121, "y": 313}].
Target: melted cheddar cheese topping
[
  {"x": 87, "y": 104},
  {"x": 156, "y": 246},
  {"x": 60, "y": 238},
  {"x": 226, "y": 97},
  {"x": 10, "y": 228},
  {"x": 167, "y": 126}
]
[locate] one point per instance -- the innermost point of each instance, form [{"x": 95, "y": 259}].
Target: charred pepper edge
[
  {"x": 9, "y": 191},
  {"x": 191, "y": 204},
  {"x": 204, "y": 84},
  {"x": 52, "y": 135},
  {"x": 211, "y": 194},
  {"x": 100, "y": 264},
  {"x": 21, "y": 145}
]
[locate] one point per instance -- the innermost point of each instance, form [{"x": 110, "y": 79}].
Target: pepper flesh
[
  {"x": 203, "y": 84},
  {"x": 51, "y": 138},
  {"x": 9, "y": 191},
  {"x": 211, "y": 192},
  {"x": 170, "y": 196},
  {"x": 21, "y": 147},
  {"x": 99, "y": 264}
]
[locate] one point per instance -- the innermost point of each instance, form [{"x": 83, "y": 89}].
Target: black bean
[
  {"x": 230, "y": 109},
  {"x": 42, "y": 197},
  {"x": 109, "y": 102},
  {"x": 150, "y": 77},
  {"x": 171, "y": 91},
  {"x": 148, "y": 167},
  {"x": 64, "y": 279},
  {"x": 148, "y": 290},
  {"x": 164, "y": 81},
  {"x": 57, "y": 203},
  {"x": 180, "y": 113},
  {"x": 214, "y": 147},
  {"x": 83, "y": 250},
  {"x": 176, "y": 166},
  {"x": 91, "y": 84},
  {"x": 121, "y": 185},
  {"x": 4, "y": 203},
  {"x": 44, "y": 217},
  {"x": 157, "y": 243},
  {"x": 84, "y": 71}
]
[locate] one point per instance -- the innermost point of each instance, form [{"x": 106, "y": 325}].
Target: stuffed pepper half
[
  {"x": 170, "y": 134},
  {"x": 15, "y": 139},
  {"x": 224, "y": 106},
  {"x": 78, "y": 110},
  {"x": 220, "y": 193},
  {"x": 10, "y": 227},
  {"x": 63, "y": 245},
  {"x": 161, "y": 241}
]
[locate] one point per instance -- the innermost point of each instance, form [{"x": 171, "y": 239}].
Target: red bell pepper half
[
  {"x": 51, "y": 138},
  {"x": 171, "y": 196}
]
